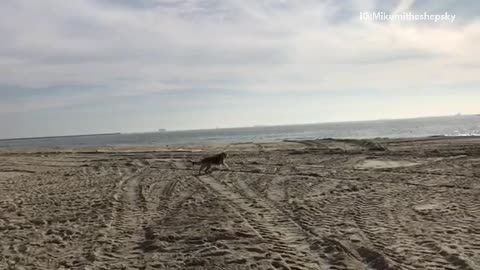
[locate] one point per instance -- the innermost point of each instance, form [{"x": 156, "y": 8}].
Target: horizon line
[{"x": 224, "y": 128}]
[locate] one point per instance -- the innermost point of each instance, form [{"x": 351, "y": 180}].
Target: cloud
[
  {"x": 240, "y": 42},
  {"x": 109, "y": 50}
]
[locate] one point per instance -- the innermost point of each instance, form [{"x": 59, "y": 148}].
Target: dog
[{"x": 206, "y": 163}]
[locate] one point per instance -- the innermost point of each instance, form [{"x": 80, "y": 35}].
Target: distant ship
[{"x": 162, "y": 130}]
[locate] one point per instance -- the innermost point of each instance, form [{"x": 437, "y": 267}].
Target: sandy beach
[{"x": 321, "y": 204}]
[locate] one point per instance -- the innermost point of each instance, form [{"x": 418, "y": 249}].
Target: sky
[{"x": 95, "y": 66}]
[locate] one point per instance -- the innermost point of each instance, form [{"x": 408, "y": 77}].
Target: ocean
[{"x": 468, "y": 125}]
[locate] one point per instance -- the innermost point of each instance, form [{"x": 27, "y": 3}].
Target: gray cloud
[
  {"x": 94, "y": 49},
  {"x": 465, "y": 10}
]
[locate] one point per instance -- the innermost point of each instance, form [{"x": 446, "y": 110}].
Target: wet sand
[{"x": 323, "y": 204}]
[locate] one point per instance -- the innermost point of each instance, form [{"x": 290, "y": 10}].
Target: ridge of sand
[{"x": 317, "y": 204}]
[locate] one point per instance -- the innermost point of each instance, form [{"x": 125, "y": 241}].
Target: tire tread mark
[{"x": 287, "y": 238}]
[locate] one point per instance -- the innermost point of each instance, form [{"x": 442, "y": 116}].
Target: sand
[{"x": 322, "y": 204}]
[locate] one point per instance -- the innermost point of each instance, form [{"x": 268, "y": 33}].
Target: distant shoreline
[
  {"x": 56, "y": 137},
  {"x": 322, "y": 123},
  {"x": 269, "y": 128}
]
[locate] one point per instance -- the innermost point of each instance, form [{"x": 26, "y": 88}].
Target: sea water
[{"x": 468, "y": 125}]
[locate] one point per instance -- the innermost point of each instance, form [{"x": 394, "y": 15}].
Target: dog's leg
[
  {"x": 201, "y": 168},
  {"x": 225, "y": 164},
  {"x": 208, "y": 168}
]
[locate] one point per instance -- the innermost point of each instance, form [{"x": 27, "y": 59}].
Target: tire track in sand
[
  {"x": 119, "y": 246},
  {"x": 288, "y": 241},
  {"x": 335, "y": 253}
]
